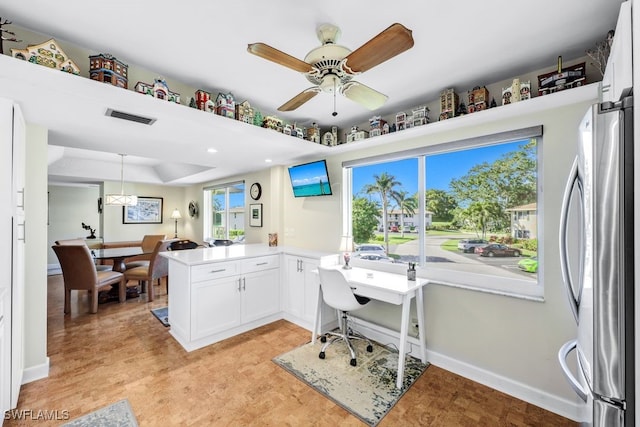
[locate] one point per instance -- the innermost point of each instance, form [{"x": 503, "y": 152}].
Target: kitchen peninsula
[{"x": 216, "y": 293}]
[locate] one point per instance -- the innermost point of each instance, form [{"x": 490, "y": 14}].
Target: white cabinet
[
  {"x": 618, "y": 77},
  {"x": 301, "y": 291},
  {"x": 213, "y": 301},
  {"x": 12, "y": 178}
]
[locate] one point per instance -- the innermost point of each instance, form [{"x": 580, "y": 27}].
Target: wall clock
[
  {"x": 193, "y": 209},
  {"x": 255, "y": 191}
]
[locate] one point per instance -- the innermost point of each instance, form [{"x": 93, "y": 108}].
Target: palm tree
[
  {"x": 405, "y": 204},
  {"x": 385, "y": 187}
]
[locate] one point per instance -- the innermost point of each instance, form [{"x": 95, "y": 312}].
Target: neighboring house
[
  {"x": 393, "y": 220},
  {"x": 524, "y": 221}
]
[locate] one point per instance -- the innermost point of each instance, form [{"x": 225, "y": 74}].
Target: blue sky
[{"x": 441, "y": 168}]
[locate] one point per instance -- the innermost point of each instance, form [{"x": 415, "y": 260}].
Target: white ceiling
[{"x": 203, "y": 44}]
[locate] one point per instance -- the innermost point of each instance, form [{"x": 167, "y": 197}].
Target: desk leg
[
  {"x": 316, "y": 318},
  {"x": 422, "y": 334},
  {"x": 404, "y": 331}
]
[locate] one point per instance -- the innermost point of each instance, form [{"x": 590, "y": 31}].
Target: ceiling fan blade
[
  {"x": 300, "y": 99},
  {"x": 389, "y": 43},
  {"x": 363, "y": 95},
  {"x": 272, "y": 54}
]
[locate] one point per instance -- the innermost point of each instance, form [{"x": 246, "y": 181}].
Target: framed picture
[
  {"x": 255, "y": 215},
  {"x": 147, "y": 211}
]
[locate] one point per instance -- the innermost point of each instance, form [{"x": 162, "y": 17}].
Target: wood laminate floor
[{"x": 125, "y": 352}]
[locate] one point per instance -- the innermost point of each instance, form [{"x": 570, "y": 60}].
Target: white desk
[{"x": 388, "y": 287}]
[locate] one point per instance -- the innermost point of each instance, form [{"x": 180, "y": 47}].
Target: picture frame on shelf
[
  {"x": 255, "y": 215},
  {"x": 148, "y": 210}
]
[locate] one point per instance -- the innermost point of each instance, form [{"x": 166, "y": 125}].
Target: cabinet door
[
  {"x": 618, "y": 77},
  {"x": 311, "y": 285},
  {"x": 215, "y": 306},
  {"x": 260, "y": 295},
  {"x": 294, "y": 304}
]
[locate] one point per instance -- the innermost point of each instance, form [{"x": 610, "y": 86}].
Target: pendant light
[{"x": 121, "y": 199}]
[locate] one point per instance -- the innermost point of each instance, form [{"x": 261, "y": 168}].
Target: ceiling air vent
[{"x": 131, "y": 117}]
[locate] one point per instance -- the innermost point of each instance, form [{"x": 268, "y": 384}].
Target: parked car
[
  {"x": 530, "y": 265},
  {"x": 376, "y": 257},
  {"x": 368, "y": 249},
  {"x": 469, "y": 245},
  {"x": 497, "y": 249}
]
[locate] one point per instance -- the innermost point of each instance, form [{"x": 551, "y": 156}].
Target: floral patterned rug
[
  {"x": 367, "y": 390},
  {"x": 118, "y": 414}
]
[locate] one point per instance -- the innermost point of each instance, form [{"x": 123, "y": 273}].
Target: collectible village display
[
  {"x": 244, "y": 112},
  {"x": 516, "y": 92},
  {"x": 6, "y": 35},
  {"x": 448, "y": 104},
  {"x": 226, "y": 105},
  {"x": 561, "y": 78},
  {"x": 105, "y": 68},
  {"x": 48, "y": 54},
  {"x": 158, "y": 90}
]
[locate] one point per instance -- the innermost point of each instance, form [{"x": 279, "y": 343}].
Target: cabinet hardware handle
[
  {"x": 22, "y": 204},
  {"x": 239, "y": 283},
  {"x": 218, "y": 271},
  {"x": 244, "y": 284},
  {"x": 262, "y": 263},
  {"x": 24, "y": 232}
]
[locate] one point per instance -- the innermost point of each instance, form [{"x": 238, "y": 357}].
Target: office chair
[{"x": 337, "y": 293}]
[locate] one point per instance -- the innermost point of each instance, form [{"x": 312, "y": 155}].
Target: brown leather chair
[
  {"x": 99, "y": 267},
  {"x": 78, "y": 272},
  {"x": 148, "y": 244},
  {"x": 157, "y": 269}
]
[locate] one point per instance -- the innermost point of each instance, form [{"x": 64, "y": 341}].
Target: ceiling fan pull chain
[{"x": 335, "y": 113}]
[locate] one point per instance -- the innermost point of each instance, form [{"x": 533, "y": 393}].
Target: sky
[{"x": 441, "y": 168}]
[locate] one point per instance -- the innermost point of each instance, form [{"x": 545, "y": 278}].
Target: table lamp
[
  {"x": 346, "y": 247},
  {"x": 176, "y": 216}
]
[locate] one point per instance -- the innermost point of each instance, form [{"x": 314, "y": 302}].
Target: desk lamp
[
  {"x": 176, "y": 216},
  {"x": 346, "y": 247}
]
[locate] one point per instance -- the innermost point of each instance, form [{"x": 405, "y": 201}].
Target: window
[
  {"x": 482, "y": 190},
  {"x": 224, "y": 212}
]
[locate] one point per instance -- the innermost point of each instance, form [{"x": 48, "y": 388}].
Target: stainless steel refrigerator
[{"x": 599, "y": 281}]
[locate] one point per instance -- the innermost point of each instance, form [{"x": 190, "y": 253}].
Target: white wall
[{"x": 35, "y": 340}]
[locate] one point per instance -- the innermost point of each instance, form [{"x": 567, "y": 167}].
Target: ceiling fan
[{"x": 331, "y": 67}]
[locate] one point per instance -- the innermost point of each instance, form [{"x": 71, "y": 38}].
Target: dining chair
[
  {"x": 99, "y": 267},
  {"x": 148, "y": 244},
  {"x": 157, "y": 268},
  {"x": 79, "y": 273},
  {"x": 337, "y": 293}
]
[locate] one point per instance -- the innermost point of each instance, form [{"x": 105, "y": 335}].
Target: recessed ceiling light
[
  {"x": 268, "y": 160},
  {"x": 212, "y": 150}
]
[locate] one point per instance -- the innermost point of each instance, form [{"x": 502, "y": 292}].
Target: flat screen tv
[{"x": 310, "y": 179}]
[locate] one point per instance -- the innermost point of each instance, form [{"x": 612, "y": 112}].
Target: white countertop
[{"x": 235, "y": 252}]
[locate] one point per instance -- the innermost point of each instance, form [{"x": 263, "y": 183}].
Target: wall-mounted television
[{"x": 310, "y": 179}]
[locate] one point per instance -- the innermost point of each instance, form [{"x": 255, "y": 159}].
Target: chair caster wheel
[
  {"x": 323, "y": 338},
  {"x": 369, "y": 348},
  {"x": 353, "y": 362},
  {"x": 321, "y": 355}
]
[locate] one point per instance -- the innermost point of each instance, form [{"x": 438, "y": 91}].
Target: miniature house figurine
[
  {"x": 401, "y": 120},
  {"x": 313, "y": 133},
  {"x": 105, "y": 68},
  {"x": 225, "y": 105},
  {"x": 202, "y": 96},
  {"x": 356, "y": 134},
  {"x": 448, "y": 104},
  {"x": 478, "y": 99},
  {"x": 376, "y": 124},
  {"x": 560, "y": 79},
  {"x": 420, "y": 115},
  {"x": 158, "y": 90},
  {"x": 271, "y": 122},
  {"x": 48, "y": 54},
  {"x": 516, "y": 92},
  {"x": 244, "y": 112}
]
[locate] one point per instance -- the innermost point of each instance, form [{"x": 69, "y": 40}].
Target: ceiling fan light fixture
[
  {"x": 121, "y": 199},
  {"x": 328, "y": 33}
]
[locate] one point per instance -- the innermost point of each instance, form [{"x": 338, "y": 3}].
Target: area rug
[
  {"x": 367, "y": 390},
  {"x": 162, "y": 314},
  {"x": 118, "y": 414}
]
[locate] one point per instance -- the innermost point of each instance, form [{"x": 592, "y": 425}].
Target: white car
[
  {"x": 469, "y": 245},
  {"x": 370, "y": 248}
]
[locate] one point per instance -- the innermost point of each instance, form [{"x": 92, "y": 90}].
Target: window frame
[
  {"x": 520, "y": 288},
  {"x": 208, "y": 227}
]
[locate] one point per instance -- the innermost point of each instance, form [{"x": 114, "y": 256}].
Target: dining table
[{"x": 117, "y": 255}]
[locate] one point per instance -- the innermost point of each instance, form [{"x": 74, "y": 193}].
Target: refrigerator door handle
[
  {"x": 572, "y": 182},
  {"x": 567, "y": 348}
]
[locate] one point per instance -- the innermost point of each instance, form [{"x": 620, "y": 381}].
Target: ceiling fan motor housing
[{"x": 327, "y": 61}]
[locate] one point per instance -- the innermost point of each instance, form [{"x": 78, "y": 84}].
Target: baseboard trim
[
  {"x": 35, "y": 373},
  {"x": 540, "y": 398}
]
